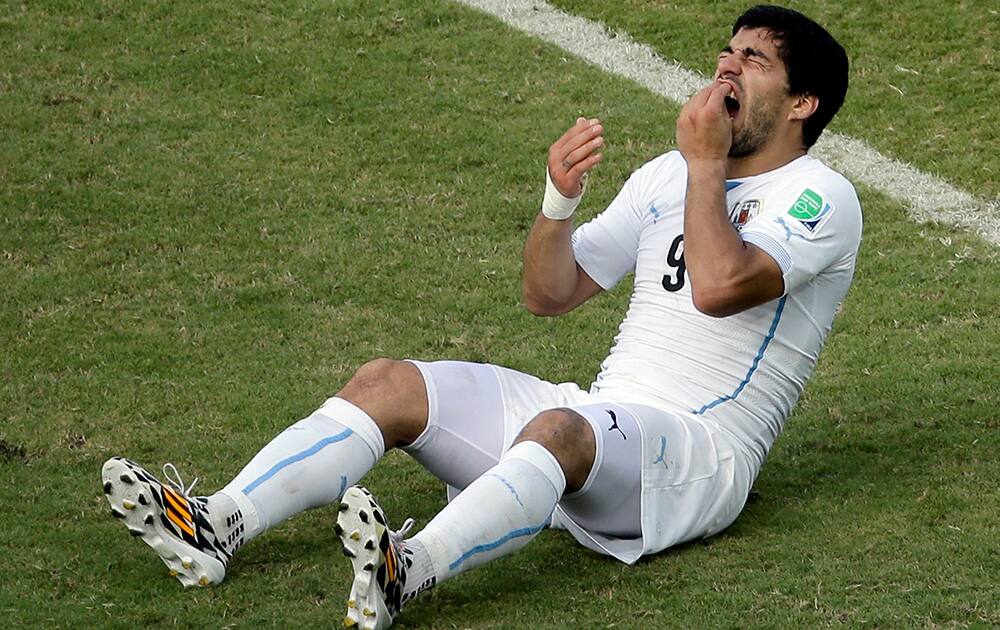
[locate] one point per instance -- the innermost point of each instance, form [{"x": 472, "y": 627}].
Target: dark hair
[{"x": 815, "y": 62}]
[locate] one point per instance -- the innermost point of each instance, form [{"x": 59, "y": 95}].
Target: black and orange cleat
[
  {"x": 377, "y": 558},
  {"x": 166, "y": 518}
]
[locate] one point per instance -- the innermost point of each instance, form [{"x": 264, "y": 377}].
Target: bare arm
[
  {"x": 553, "y": 283},
  {"x": 727, "y": 275}
]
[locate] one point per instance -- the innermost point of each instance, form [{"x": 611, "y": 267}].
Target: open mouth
[{"x": 732, "y": 106}]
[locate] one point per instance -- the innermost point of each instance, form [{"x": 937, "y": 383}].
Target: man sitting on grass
[{"x": 742, "y": 245}]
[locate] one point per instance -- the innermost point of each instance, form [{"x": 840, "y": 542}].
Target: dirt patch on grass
[{"x": 12, "y": 452}]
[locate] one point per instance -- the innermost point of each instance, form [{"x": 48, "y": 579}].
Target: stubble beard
[{"x": 756, "y": 131}]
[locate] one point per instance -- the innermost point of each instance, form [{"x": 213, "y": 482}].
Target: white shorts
[{"x": 694, "y": 484}]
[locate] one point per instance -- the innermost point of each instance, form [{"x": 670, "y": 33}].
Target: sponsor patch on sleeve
[{"x": 812, "y": 210}]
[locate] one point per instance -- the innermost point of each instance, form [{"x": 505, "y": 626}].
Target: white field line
[{"x": 927, "y": 197}]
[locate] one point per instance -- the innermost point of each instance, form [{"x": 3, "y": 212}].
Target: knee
[
  {"x": 393, "y": 394},
  {"x": 377, "y": 377},
  {"x": 569, "y": 437}
]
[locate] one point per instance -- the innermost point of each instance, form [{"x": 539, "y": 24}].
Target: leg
[
  {"x": 552, "y": 455},
  {"x": 554, "y": 451},
  {"x": 309, "y": 464},
  {"x": 315, "y": 460}
]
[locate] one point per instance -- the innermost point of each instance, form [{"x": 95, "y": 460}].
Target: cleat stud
[
  {"x": 363, "y": 515},
  {"x": 356, "y": 535},
  {"x": 186, "y": 563},
  {"x": 352, "y": 604},
  {"x": 117, "y": 513},
  {"x": 142, "y": 499},
  {"x": 368, "y": 612},
  {"x": 348, "y": 552},
  {"x": 203, "y": 580},
  {"x": 370, "y": 544},
  {"x": 107, "y": 487},
  {"x": 128, "y": 505},
  {"x": 337, "y": 529},
  {"x": 173, "y": 572},
  {"x": 126, "y": 479},
  {"x": 349, "y": 623},
  {"x": 369, "y": 566}
]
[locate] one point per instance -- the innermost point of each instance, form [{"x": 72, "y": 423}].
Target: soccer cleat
[
  {"x": 165, "y": 516},
  {"x": 376, "y": 555}
]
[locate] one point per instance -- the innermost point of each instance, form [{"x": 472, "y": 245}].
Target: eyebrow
[{"x": 748, "y": 51}]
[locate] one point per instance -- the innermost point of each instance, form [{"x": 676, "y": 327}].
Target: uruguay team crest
[{"x": 743, "y": 211}]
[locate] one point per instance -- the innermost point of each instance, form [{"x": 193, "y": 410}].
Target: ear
[{"x": 804, "y": 106}]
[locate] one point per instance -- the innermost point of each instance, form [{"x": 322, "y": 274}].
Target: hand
[
  {"x": 574, "y": 154},
  {"x": 704, "y": 128}
]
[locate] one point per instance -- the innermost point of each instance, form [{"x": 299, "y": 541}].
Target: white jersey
[{"x": 742, "y": 373}]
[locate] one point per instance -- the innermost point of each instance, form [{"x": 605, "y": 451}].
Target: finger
[
  {"x": 578, "y": 126},
  {"x": 585, "y": 149},
  {"x": 699, "y": 99},
  {"x": 582, "y": 126},
  {"x": 576, "y": 142},
  {"x": 584, "y": 166},
  {"x": 717, "y": 97}
]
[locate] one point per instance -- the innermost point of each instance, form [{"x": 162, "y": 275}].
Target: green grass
[{"x": 210, "y": 214}]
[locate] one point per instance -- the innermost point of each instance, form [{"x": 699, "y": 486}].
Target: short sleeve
[
  {"x": 606, "y": 246},
  {"x": 807, "y": 227}
]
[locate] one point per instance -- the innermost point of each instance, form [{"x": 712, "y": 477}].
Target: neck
[{"x": 767, "y": 159}]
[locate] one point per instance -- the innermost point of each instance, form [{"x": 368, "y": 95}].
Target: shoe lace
[
  {"x": 398, "y": 536},
  {"x": 170, "y": 474}
]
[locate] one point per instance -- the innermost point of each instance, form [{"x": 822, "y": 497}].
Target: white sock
[
  {"x": 497, "y": 514},
  {"x": 228, "y": 522},
  {"x": 419, "y": 570},
  {"x": 307, "y": 465}
]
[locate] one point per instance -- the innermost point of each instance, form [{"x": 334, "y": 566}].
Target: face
[{"x": 751, "y": 66}]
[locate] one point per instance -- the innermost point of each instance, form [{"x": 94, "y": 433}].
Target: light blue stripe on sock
[
  {"x": 511, "y": 535},
  {"x": 506, "y": 483},
  {"x": 288, "y": 461}
]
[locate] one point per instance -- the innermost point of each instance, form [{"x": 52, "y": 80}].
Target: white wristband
[{"x": 556, "y": 206}]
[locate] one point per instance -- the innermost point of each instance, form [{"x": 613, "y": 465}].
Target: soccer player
[{"x": 742, "y": 245}]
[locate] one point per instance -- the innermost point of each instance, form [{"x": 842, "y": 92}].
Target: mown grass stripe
[{"x": 927, "y": 197}]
